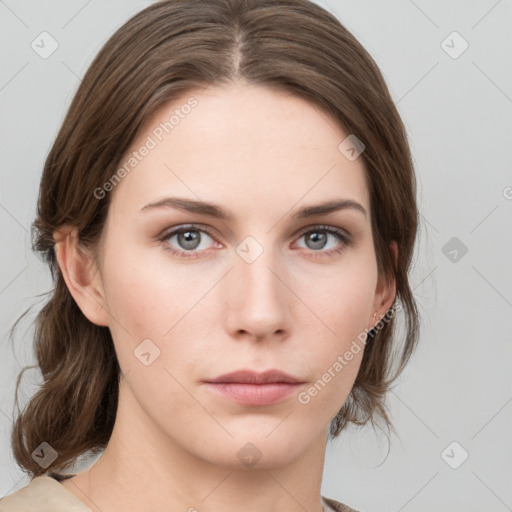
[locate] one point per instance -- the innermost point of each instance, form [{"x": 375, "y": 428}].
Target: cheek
[
  {"x": 150, "y": 299},
  {"x": 144, "y": 295},
  {"x": 341, "y": 306},
  {"x": 341, "y": 299}
]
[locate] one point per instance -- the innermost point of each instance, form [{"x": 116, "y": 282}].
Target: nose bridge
[
  {"x": 258, "y": 295},
  {"x": 255, "y": 263}
]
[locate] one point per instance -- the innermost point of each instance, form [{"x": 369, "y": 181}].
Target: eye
[
  {"x": 317, "y": 237},
  {"x": 189, "y": 240}
]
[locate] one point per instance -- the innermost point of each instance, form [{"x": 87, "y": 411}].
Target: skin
[{"x": 261, "y": 155}]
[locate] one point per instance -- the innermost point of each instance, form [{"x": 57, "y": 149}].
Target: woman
[{"x": 229, "y": 215}]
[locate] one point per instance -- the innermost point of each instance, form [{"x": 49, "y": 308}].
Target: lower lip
[{"x": 254, "y": 394}]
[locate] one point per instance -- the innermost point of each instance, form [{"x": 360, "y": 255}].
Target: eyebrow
[{"x": 217, "y": 211}]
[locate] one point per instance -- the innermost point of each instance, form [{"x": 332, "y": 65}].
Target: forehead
[{"x": 251, "y": 144}]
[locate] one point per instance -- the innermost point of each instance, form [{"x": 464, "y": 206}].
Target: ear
[
  {"x": 385, "y": 292},
  {"x": 81, "y": 275}
]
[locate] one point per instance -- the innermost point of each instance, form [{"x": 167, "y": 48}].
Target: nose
[{"x": 259, "y": 301}]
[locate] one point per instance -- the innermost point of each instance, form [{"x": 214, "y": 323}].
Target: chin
[{"x": 257, "y": 447}]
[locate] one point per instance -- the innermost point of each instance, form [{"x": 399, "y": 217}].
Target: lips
[
  {"x": 252, "y": 377},
  {"x": 250, "y": 388}
]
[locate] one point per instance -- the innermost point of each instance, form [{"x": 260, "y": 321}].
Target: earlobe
[{"x": 81, "y": 276}]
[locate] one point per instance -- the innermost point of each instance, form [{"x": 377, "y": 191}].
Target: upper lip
[{"x": 253, "y": 377}]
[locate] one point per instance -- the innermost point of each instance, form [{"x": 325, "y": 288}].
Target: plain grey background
[{"x": 448, "y": 67}]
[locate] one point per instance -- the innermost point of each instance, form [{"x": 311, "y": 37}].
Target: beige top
[{"x": 46, "y": 494}]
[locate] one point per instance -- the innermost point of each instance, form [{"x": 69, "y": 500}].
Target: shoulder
[
  {"x": 42, "y": 494},
  {"x": 46, "y": 494},
  {"x": 335, "y": 506}
]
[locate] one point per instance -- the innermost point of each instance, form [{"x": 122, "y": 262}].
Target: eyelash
[{"x": 344, "y": 237}]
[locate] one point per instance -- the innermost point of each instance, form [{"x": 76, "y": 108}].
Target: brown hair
[{"x": 165, "y": 50}]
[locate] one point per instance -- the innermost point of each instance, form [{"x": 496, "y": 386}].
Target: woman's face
[{"x": 263, "y": 288}]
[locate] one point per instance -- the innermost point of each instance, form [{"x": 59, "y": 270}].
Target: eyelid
[
  {"x": 326, "y": 227},
  {"x": 167, "y": 232},
  {"x": 204, "y": 227}
]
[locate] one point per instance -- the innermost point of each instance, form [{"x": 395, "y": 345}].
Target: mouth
[{"x": 247, "y": 387}]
